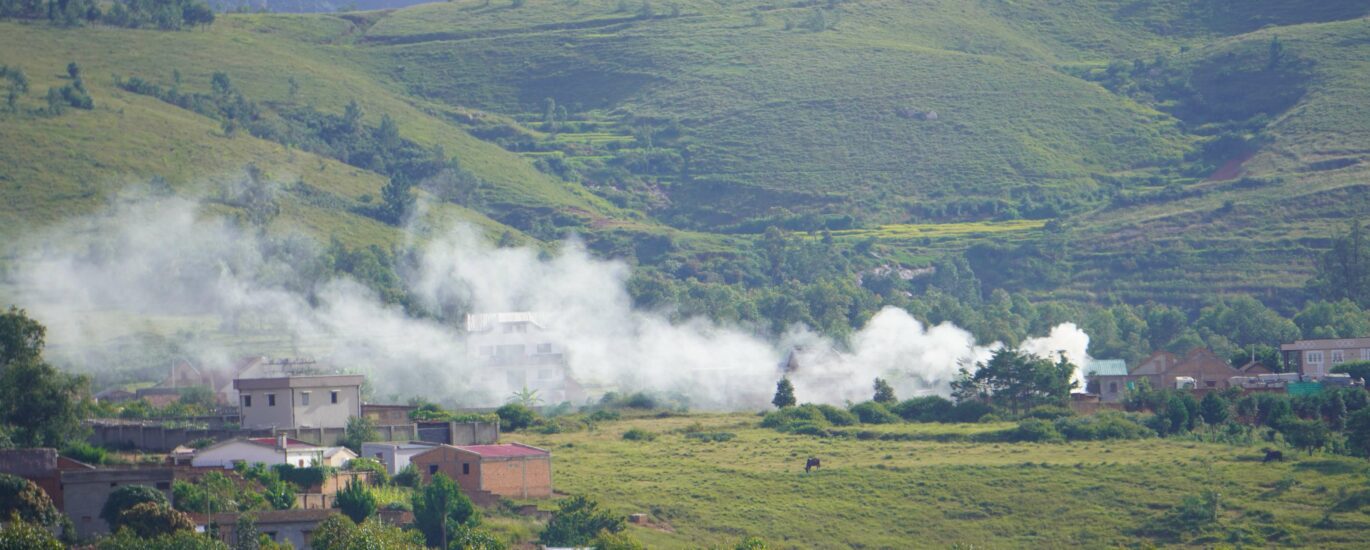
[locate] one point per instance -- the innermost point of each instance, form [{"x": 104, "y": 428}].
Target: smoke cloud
[{"x": 170, "y": 264}]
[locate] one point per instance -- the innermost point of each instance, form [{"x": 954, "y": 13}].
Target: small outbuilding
[
  {"x": 395, "y": 455},
  {"x": 268, "y": 450},
  {"x": 512, "y": 470}
]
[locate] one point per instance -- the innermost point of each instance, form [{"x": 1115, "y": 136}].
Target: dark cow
[
  {"x": 811, "y": 464},
  {"x": 1273, "y": 455}
]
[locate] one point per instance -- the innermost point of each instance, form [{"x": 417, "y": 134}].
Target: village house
[
  {"x": 84, "y": 492},
  {"x": 269, "y": 450},
  {"x": 1108, "y": 379},
  {"x": 306, "y": 401},
  {"x": 519, "y": 350},
  {"x": 1200, "y": 369},
  {"x": 388, "y": 415},
  {"x": 395, "y": 455},
  {"x": 295, "y": 527},
  {"x": 43, "y": 467},
  {"x": 1315, "y": 359},
  {"x": 486, "y": 472}
]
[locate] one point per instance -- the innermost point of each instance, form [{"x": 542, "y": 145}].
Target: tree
[
  {"x": 784, "y": 394},
  {"x": 24, "y": 499},
  {"x": 577, "y": 521},
  {"x": 356, "y": 501},
  {"x": 1358, "y": 433},
  {"x": 150, "y": 519},
  {"x": 1213, "y": 409},
  {"x": 245, "y": 529},
  {"x": 397, "y": 200},
  {"x": 280, "y": 494},
  {"x": 439, "y": 507},
  {"x": 125, "y": 498},
  {"x": 74, "y": 71},
  {"x": 1344, "y": 270},
  {"x": 339, "y": 533},
  {"x": 1023, "y": 380},
  {"x": 42, "y": 405},
  {"x": 526, "y": 397},
  {"x": 1334, "y": 410},
  {"x": 514, "y": 417},
  {"x": 22, "y": 534},
  {"x": 1309, "y": 435},
  {"x": 884, "y": 394},
  {"x": 360, "y": 429}
]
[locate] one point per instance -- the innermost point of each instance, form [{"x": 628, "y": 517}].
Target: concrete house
[
  {"x": 294, "y": 526},
  {"x": 84, "y": 492},
  {"x": 1316, "y": 358},
  {"x": 1109, "y": 379},
  {"x": 486, "y": 472},
  {"x": 269, "y": 450},
  {"x": 312, "y": 401},
  {"x": 520, "y": 350},
  {"x": 43, "y": 467},
  {"x": 395, "y": 455}
]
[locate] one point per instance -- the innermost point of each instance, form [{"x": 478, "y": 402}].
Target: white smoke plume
[{"x": 172, "y": 259}]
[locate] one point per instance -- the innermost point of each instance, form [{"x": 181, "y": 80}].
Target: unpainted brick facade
[{"x": 513, "y": 477}]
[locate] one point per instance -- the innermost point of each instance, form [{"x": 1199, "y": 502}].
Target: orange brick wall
[
  {"x": 504, "y": 477},
  {"x": 523, "y": 477}
]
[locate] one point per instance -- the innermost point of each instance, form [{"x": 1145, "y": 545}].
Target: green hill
[{"x": 1167, "y": 147}]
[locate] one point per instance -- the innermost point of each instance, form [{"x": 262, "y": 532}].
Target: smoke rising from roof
[{"x": 171, "y": 260}]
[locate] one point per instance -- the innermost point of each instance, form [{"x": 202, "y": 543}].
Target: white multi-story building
[
  {"x": 518, "y": 350},
  {"x": 1316, "y": 358},
  {"x": 318, "y": 401}
]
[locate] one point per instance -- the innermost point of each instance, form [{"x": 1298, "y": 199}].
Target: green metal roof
[
  {"x": 1303, "y": 388},
  {"x": 1106, "y": 367}
]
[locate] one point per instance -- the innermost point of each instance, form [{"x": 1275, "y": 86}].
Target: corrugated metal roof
[
  {"x": 1106, "y": 367},
  {"x": 506, "y": 450},
  {"x": 1303, "y": 388}
]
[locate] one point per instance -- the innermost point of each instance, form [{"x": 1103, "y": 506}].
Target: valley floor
[{"x": 928, "y": 493}]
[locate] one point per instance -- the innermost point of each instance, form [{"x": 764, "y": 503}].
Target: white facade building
[
  {"x": 519, "y": 350},
  {"x": 395, "y": 455},
  {"x": 315, "y": 401},
  {"x": 267, "y": 450}
]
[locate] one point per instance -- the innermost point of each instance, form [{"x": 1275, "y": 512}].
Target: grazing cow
[
  {"x": 811, "y": 464},
  {"x": 1271, "y": 454}
]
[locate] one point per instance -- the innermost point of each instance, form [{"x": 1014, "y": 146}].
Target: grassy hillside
[
  {"x": 1174, "y": 159},
  {"x": 946, "y": 494}
]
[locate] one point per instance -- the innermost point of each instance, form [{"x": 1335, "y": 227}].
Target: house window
[
  {"x": 1211, "y": 383},
  {"x": 1314, "y": 356},
  {"x": 271, "y": 400},
  {"x": 304, "y": 398},
  {"x": 432, "y": 469},
  {"x": 1365, "y": 354},
  {"x": 1112, "y": 387},
  {"x": 247, "y": 401},
  {"x": 380, "y": 456},
  {"x": 333, "y": 396},
  {"x": 544, "y": 348},
  {"x": 466, "y": 468},
  {"x": 163, "y": 485},
  {"x": 1337, "y": 357}
]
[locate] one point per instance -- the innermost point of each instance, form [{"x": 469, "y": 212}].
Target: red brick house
[
  {"x": 485, "y": 471},
  {"x": 1208, "y": 371}
]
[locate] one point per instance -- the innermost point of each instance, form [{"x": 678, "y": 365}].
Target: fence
[{"x": 156, "y": 437}]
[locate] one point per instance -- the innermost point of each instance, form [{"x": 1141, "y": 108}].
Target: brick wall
[{"x": 521, "y": 477}]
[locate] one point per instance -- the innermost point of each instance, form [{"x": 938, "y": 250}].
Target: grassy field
[{"x": 885, "y": 494}]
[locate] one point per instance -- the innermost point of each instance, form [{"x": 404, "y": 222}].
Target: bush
[
  {"x": 514, "y": 417},
  {"x": 578, "y": 521},
  {"x": 356, "y": 501},
  {"x": 716, "y": 437},
  {"x": 603, "y": 416},
  {"x": 970, "y": 411},
  {"x": 408, "y": 476},
  {"x": 23, "y": 497},
  {"x": 125, "y": 498},
  {"x": 1034, "y": 430},
  {"x": 86, "y": 452},
  {"x": 379, "y": 475},
  {"x": 838, "y": 417},
  {"x": 1049, "y": 412},
  {"x": 871, "y": 412},
  {"x": 24, "y": 535},
  {"x": 925, "y": 409},
  {"x": 150, "y": 519},
  {"x": 786, "y": 419},
  {"x": 1105, "y": 425},
  {"x": 638, "y": 434}
]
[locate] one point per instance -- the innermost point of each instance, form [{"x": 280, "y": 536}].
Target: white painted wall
[{"x": 223, "y": 456}]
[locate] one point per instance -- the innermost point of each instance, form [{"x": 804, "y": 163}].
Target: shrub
[
  {"x": 838, "y": 417},
  {"x": 21, "y": 534},
  {"x": 638, "y": 434},
  {"x": 356, "y": 501},
  {"x": 150, "y": 519},
  {"x": 1104, "y": 425},
  {"x": 379, "y": 476},
  {"x": 871, "y": 412},
  {"x": 785, "y": 419},
  {"x": 577, "y": 521},
  {"x": 1034, "y": 430},
  {"x": 408, "y": 476},
  {"x": 716, "y": 437},
  {"x": 24, "y": 498},
  {"x": 1049, "y": 412},
  {"x": 125, "y": 498},
  {"x": 604, "y": 416},
  {"x": 514, "y": 417},
  {"x": 931, "y": 408},
  {"x": 86, "y": 452},
  {"x": 970, "y": 411}
]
